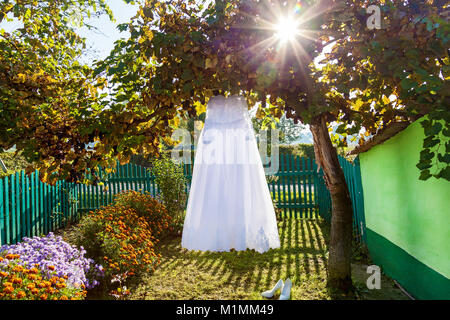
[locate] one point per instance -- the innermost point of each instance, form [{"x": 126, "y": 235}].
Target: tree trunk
[{"x": 340, "y": 247}]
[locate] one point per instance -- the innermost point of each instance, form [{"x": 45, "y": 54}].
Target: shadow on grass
[
  {"x": 302, "y": 257},
  {"x": 185, "y": 274}
]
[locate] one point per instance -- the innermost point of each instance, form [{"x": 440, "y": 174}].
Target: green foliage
[
  {"x": 87, "y": 236},
  {"x": 397, "y": 73},
  {"x": 171, "y": 181},
  {"x": 289, "y": 131},
  {"x": 435, "y": 155},
  {"x": 13, "y": 161},
  {"x": 50, "y": 103},
  {"x": 300, "y": 149}
]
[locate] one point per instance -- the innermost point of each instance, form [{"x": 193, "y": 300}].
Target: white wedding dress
[{"x": 229, "y": 203}]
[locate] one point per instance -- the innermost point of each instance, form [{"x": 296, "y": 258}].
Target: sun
[{"x": 287, "y": 29}]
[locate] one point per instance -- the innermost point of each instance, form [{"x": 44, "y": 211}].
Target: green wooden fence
[
  {"x": 29, "y": 207},
  {"x": 295, "y": 189},
  {"x": 352, "y": 174}
]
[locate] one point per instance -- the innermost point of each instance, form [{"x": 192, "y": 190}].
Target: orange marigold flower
[
  {"x": 17, "y": 280},
  {"x": 34, "y": 291},
  {"x": 51, "y": 268},
  {"x": 31, "y": 286},
  {"x": 20, "y": 294},
  {"x": 34, "y": 270},
  {"x": 43, "y": 296},
  {"x": 32, "y": 277},
  {"x": 8, "y": 289},
  {"x": 18, "y": 269},
  {"x": 64, "y": 298},
  {"x": 3, "y": 274}
]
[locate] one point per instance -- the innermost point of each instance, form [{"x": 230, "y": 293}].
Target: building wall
[{"x": 407, "y": 219}]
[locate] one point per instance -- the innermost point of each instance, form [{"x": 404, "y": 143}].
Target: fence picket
[
  {"x": 279, "y": 187},
  {"x": 310, "y": 184},
  {"x": 45, "y": 210},
  {"x": 2, "y": 213},
  {"x": 288, "y": 184},
  {"x": 18, "y": 207},
  {"x": 294, "y": 192}
]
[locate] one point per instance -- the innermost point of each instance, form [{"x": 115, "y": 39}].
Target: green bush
[
  {"x": 300, "y": 149},
  {"x": 172, "y": 183},
  {"x": 146, "y": 206},
  {"x": 122, "y": 238},
  {"x": 13, "y": 162}
]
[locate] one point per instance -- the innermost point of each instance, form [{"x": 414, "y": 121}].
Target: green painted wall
[{"x": 407, "y": 215}]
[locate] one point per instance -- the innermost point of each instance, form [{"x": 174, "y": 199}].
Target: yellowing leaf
[
  {"x": 175, "y": 122},
  {"x": 149, "y": 35},
  {"x": 21, "y": 77},
  {"x": 259, "y": 113},
  {"x": 357, "y": 105},
  {"x": 199, "y": 108},
  {"x": 211, "y": 63}
]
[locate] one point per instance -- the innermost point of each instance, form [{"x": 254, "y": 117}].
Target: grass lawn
[{"x": 244, "y": 275}]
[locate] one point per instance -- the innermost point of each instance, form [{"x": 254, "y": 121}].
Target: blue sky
[{"x": 102, "y": 40}]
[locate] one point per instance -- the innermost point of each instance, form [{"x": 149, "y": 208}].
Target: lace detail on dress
[{"x": 263, "y": 240}]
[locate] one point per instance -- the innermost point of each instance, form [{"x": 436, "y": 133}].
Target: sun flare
[{"x": 287, "y": 29}]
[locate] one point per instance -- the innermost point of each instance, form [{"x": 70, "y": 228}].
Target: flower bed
[
  {"x": 20, "y": 283},
  {"x": 46, "y": 268},
  {"x": 55, "y": 257},
  {"x": 146, "y": 206},
  {"x": 122, "y": 237}
]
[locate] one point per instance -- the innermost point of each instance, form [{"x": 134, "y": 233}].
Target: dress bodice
[{"x": 224, "y": 110}]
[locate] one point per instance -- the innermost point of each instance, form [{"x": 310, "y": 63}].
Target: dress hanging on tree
[{"x": 229, "y": 203}]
